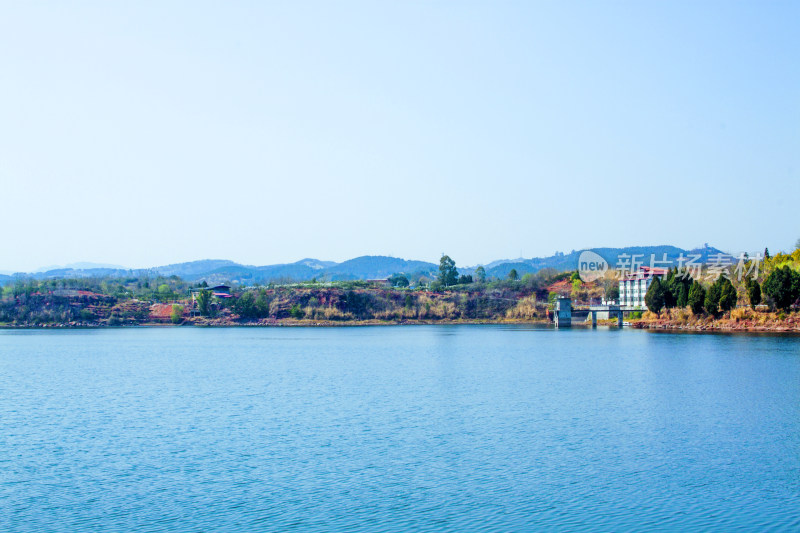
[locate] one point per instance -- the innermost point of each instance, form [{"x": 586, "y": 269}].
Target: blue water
[{"x": 445, "y": 428}]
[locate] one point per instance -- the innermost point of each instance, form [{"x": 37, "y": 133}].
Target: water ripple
[{"x": 397, "y": 429}]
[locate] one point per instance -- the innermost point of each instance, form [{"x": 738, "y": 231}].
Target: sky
[{"x": 150, "y": 133}]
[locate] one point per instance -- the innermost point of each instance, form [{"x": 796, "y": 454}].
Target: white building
[{"x": 633, "y": 288}]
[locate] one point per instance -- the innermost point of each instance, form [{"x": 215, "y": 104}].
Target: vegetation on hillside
[
  {"x": 119, "y": 301},
  {"x": 772, "y": 285}
]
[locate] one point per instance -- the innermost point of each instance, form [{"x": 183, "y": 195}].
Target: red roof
[{"x": 647, "y": 272}]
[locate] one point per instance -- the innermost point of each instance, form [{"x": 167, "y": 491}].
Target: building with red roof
[{"x": 632, "y": 288}]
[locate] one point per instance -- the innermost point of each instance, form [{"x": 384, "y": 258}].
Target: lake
[{"x": 436, "y": 428}]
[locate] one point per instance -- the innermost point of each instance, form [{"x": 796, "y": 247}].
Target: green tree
[
  {"x": 551, "y": 299},
  {"x": 177, "y": 314},
  {"x": 448, "y": 274},
  {"x": 204, "y": 302},
  {"x": 296, "y": 312},
  {"x": 753, "y": 292},
  {"x": 711, "y": 303},
  {"x": 727, "y": 295},
  {"x": 696, "y": 298},
  {"x": 480, "y": 274},
  {"x": 612, "y": 292},
  {"x": 245, "y": 305},
  {"x": 262, "y": 306},
  {"x": 671, "y": 288},
  {"x": 163, "y": 293},
  {"x": 683, "y": 293},
  {"x": 465, "y": 279},
  {"x": 766, "y": 253},
  {"x": 512, "y": 274},
  {"x": 398, "y": 280},
  {"x": 577, "y": 286},
  {"x": 654, "y": 298},
  {"x": 783, "y": 287}
]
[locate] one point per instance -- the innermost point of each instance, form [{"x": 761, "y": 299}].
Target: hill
[
  {"x": 376, "y": 267},
  {"x": 364, "y": 267}
]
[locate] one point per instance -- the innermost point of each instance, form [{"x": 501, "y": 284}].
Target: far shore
[
  {"x": 267, "y": 323},
  {"x": 668, "y": 322}
]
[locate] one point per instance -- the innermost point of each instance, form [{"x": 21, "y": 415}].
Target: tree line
[{"x": 781, "y": 287}]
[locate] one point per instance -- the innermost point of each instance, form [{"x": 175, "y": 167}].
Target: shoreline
[
  {"x": 719, "y": 328},
  {"x": 792, "y": 326},
  {"x": 740, "y": 319},
  {"x": 270, "y": 323}
]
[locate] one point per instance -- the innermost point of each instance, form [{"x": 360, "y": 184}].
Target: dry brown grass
[
  {"x": 525, "y": 309},
  {"x": 741, "y": 313}
]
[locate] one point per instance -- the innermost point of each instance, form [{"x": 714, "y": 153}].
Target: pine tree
[
  {"x": 728, "y": 297},
  {"x": 671, "y": 288},
  {"x": 753, "y": 292},
  {"x": 683, "y": 295},
  {"x": 654, "y": 298},
  {"x": 711, "y": 302},
  {"x": 697, "y": 297},
  {"x": 783, "y": 287}
]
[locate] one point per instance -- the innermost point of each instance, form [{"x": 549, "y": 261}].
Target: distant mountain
[
  {"x": 376, "y": 267},
  {"x": 498, "y": 262},
  {"x": 192, "y": 268},
  {"x": 316, "y": 264},
  {"x": 251, "y": 274},
  {"x": 364, "y": 267},
  {"x": 81, "y": 266},
  {"x": 75, "y": 273}
]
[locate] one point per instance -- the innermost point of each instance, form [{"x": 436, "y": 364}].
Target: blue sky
[{"x": 265, "y": 132}]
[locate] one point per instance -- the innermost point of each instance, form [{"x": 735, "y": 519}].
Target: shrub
[
  {"x": 177, "y": 314},
  {"x": 741, "y": 313},
  {"x": 296, "y": 312},
  {"x": 525, "y": 309}
]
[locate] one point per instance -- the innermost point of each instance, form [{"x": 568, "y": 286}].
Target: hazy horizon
[
  {"x": 93, "y": 265},
  {"x": 157, "y": 133}
]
